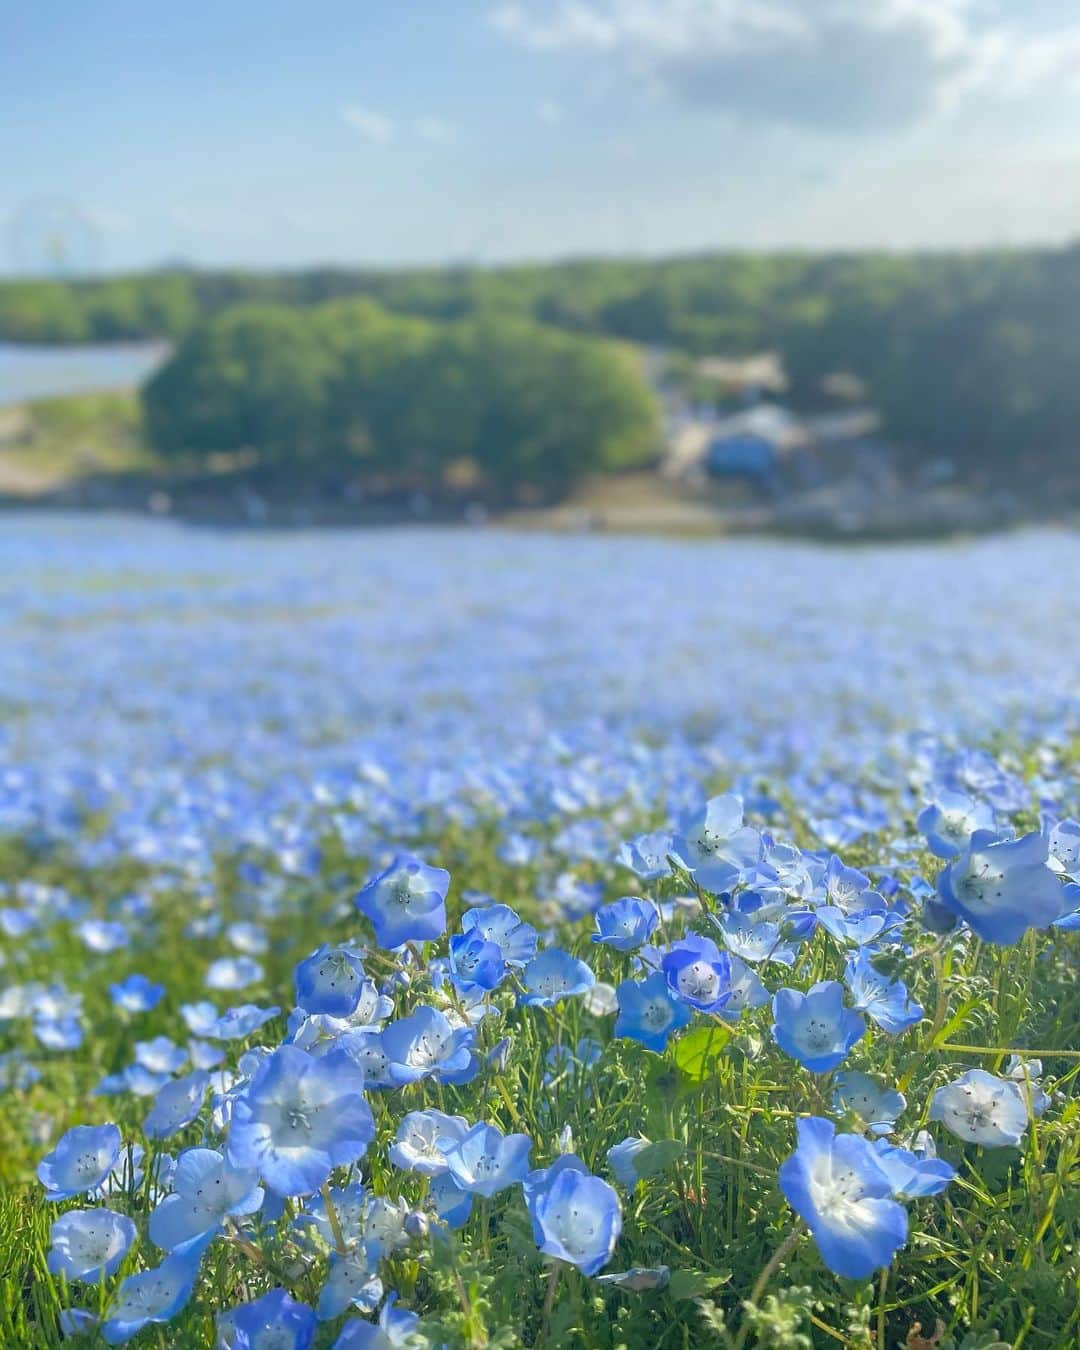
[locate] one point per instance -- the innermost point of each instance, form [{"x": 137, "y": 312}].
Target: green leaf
[
  {"x": 697, "y": 1052},
  {"x": 695, "y": 1283}
]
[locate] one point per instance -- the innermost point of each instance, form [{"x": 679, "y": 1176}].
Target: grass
[
  {"x": 63, "y": 440},
  {"x": 995, "y": 1260}
]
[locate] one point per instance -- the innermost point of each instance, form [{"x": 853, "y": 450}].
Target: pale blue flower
[
  {"x": 207, "y": 1190},
  {"x": 576, "y": 1217},
  {"x": 815, "y": 1028},
  {"x": 1002, "y": 887},
  {"x": 876, "y": 1105},
  {"x": 89, "y": 1244},
  {"x": 82, "y": 1159},
  {"x": 553, "y": 976},
  {"x": 982, "y": 1109},
  {"x": 836, "y": 1184},
  {"x": 484, "y": 1161},
  {"x": 151, "y": 1296},
  {"x": 299, "y": 1118}
]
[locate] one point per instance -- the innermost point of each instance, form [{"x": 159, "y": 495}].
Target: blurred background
[{"x": 693, "y": 266}]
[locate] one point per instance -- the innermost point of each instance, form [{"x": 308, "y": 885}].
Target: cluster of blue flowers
[
  {"x": 322, "y": 1132},
  {"x": 289, "y": 1128}
]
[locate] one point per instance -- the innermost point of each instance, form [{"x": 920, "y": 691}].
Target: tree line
[
  {"x": 490, "y": 406},
  {"x": 974, "y": 356}
]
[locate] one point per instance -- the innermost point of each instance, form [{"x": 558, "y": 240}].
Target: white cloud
[
  {"x": 373, "y": 126},
  {"x": 832, "y": 65}
]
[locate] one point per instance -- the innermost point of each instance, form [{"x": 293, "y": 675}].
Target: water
[{"x": 29, "y": 372}]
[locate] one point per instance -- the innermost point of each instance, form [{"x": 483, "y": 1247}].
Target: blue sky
[{"x": 392, "y": 131}]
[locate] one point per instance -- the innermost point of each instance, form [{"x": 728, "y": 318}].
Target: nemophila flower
[
  {"x": 1026, "y": 1073},
  {"x": 352, "y": 1281},
  {"x": 392, "y": 1332},
  {"x": 151, "y": 1296},
  {"x": 949, "y": 821},
  {"x": 982, "y": 1109},
  {"x": 452, "y": 1205},
  {"x": 99, "y": 935},
  {"x": 203, "y": 1055},
  {"x": 576, "y": 1217},
  {"x": 715, "y": 845},
  {"x": 365, "y": 1049},
  {"x": 515, "y": 939},
  {"x": 647, "y": 855},
  {"x": 140, "y": 1081},
  {"x": 475, "y": 964},
  {"x": 649, "y": 1012},
  {"x": 330, "y": 981},
  {"x": 82, "y": 1159},
  {"x": 406, "y": 902},
  {"x": 89, "y": 1244},
  {"x": 16, "y": 923},
  {"x": 200, "y": 1017},
  {"x": 755, "y": 940},
  {"x": 485, "y": 1161},
  {"x": 791, "y": 872},
  {"x": 621, "y": 1159},
  {"x": 553, "y": 976},
  {"x": 846, "y": 887},
  {"x": 747, "y": 990},
  {"x": 426, "y": 1044},
  {"x": 1002, "y": 887},
  {"x": 248, "y": 938},
  {"x": 911, "y": 1175},
  {"x": 698, "y": 973},
  {"x": 56, "y": 1015},
  {"x": 161, "y": 1055},
  {"x": 136, "y": 994},
  {"x": 233, "y": 972},
  {"x": 886, "y": 1002},
  {"x": 318, "y": 1032},
  {"x": 835, "y": 1183},
  {"x": 815, "y": 1028},
  {"x": 177, "y": 1104},
  {"x": 876, "y": 1105},
  {"x": 299, "y": 1118},
  {"x": 857, "y": 928},
  {"x": 1063, "y": 841},
  {"x": 273, "y": 1322},
  {"x": 236, "y": 1024},
  {"x": 206, "y": 1191},
  {"x": 574, "y": 897},
  {"x": 626, "y": 924},
  {"x": 422, "y": 1140}
]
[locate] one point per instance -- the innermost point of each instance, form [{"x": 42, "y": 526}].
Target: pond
[{"x": 30, "y": 372}]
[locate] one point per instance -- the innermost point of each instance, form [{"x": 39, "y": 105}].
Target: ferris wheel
[{"x": 52, "y": 237}]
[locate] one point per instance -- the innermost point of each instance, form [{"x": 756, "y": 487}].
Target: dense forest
[
  {"x": 975, "y": 356},
  {"x": 494, "y": 406}
]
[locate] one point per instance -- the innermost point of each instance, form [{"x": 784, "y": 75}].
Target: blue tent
[{"x": 741, "y": 455}]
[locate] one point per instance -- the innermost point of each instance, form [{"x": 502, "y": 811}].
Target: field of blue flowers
[{"x": 466, "y": 939}]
